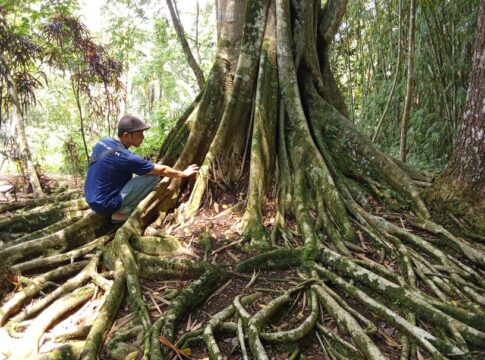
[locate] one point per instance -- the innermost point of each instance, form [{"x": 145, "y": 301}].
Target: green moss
[
  {"x": 276, "y": 259},
  {"x": 153, "y": 245},
  {"x": 222, "y": 43},
  {"x": 446, "y": 199},
  {"x": 153, "y": 267}
]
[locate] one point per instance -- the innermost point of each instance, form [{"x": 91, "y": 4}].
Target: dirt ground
[
  {"x": 217, "y": 224},
  {"x": 51, "y": 183}
]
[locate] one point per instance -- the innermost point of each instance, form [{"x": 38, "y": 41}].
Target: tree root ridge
[
  {"x": 64, "y": 352},
  {"x": 275, "y": 259},
  {"x": 166, "y": 269},
  {"x": 190, "y": 298},
  {"x": 107, "y": 315},
  {"x": 77, "y": 234},
  {"x": 43, "y": 216}
]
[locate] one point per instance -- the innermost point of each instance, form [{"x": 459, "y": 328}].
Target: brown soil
[{"x": 217, "y": 222}]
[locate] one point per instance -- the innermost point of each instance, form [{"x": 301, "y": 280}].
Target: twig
[
  {"x": 155, "y": 303},
  {"x": 226, "y": 246}
]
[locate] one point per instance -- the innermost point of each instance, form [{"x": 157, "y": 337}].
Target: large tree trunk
[
  {"x": 366, "y": 268},
  {"x": 466, "y": 168},
  {"x": 459, "y": 193}
]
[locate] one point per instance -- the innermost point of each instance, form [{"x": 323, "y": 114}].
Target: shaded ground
[
  {"x": 50, "y": 183},
  {"x": 213, "y": 235}
]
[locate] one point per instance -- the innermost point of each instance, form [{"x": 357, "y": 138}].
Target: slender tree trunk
[
  {"x": 199, "y": 75},
  {"x": 396, "y": 75},
  {"x": 22, "y": 138},
  {"x": 197, "y": 45},
  {"x": 466, "y": 168},
  {"x": 350, "y": 80},
  {"x": 409, "y": 84},
  {"x": 77, "y": 94}
]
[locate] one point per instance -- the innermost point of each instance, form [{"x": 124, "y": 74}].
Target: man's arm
[{"x": 164, "y": 170}]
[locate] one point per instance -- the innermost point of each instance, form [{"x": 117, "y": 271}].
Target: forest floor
[
  {"x": 50, "y": 182},
  {"x": 213, "y": 236}
]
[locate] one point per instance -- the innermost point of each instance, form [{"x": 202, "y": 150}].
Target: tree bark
[{"x": 466, "y": 168}]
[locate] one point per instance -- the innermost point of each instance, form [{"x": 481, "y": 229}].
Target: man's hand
[
  {"x": 191, "y": 169},
  {"x": 164, "y": 170}
]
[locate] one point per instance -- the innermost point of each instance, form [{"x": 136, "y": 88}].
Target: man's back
[{"x": 112, "y": 166}]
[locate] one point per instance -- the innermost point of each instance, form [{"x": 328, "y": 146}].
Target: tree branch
[
  {"x": 332, "y": 15},
  {"x": 185, "y": 46}
]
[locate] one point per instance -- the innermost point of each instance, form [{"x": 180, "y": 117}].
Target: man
[{"x": 109, "y": 187}]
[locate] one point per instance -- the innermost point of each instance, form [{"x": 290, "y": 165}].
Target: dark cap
[{"x": 130, "y": 123}]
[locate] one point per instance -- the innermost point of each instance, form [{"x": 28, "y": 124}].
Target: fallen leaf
[
  {"x": 419, "y": 356},
  {"x": 389, "y": 340},
  {"x": 165, "y": 342},
  {"x": 196, "y": 327},
  {"x": 132, "y": 355},
  {"x": 187, "y": 351}
]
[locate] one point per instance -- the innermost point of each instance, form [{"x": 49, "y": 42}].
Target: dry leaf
[
  {"x": 216, "y": 207},
  {"x": 132, "y": 355},
  {"x": 187, "y": 351},
  {"x": 389, "y": 339},
  {"x": 189, "y": 323},
  {"x": 165, "y": 342},
  {"x": 224, "y": 206},
  {"x": 418, "y": 355},
  {"x": 196, "y": 327},
  {"x": 360, "y": 236}
]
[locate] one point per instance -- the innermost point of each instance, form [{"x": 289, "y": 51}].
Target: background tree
[
  {"x": 18, "y": 84},
  {"x": 21, "y": 56},
  {"x": 89, "y": 64},
  {"x": 409, "y": 83},
  {"x": 444, "y": 36},
  {"x": 172, "y": 6},
  {"x": 462, "y": 186}
]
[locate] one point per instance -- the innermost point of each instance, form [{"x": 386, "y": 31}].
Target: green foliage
[
  {"x": 160, "y": 83},
  {"x": 73, "y": 158},
  {"x": 140, "y": 35},
  {"x": 365, "y": 60}
]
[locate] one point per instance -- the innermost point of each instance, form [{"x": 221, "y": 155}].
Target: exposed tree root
[
  {"x": 32, "y": 203},
  {"x": 42, "y": 216}
]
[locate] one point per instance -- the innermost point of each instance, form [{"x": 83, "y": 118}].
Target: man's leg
[{"x": 132, "y": 193}]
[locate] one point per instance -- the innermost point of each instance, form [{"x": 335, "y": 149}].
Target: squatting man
[{"x": 109, "y": 187}]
